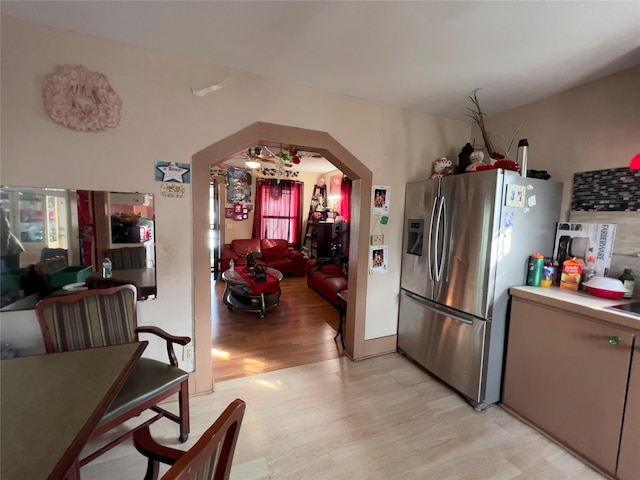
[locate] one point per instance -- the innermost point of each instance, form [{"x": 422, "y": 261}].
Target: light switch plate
[{"x": 377, "y": 239}]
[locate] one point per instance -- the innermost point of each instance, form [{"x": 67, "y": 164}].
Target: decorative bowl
[{"x": 605, "y": 287}]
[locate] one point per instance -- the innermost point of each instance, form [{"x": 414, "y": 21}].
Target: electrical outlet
[
  {"x": 377, "y": 239},
  {"x": 187, "y": 353}
]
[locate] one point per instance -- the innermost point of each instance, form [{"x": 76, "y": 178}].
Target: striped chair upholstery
[
  {"x": 127, "y": 257},
  {"x": 90, "y": 321},
  {"x": 103, "y": 317},
  {"x": 209, "y": 459}
]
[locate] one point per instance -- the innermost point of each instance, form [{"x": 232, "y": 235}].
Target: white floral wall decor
[{"x": 80, "y": 99}]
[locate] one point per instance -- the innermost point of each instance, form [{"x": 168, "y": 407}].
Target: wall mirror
[{"x": 83, "y": 226}]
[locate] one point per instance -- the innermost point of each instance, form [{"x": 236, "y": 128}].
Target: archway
[{"x": 276, "y": 136}]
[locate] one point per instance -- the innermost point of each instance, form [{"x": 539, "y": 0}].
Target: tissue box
[
  {"x": 65, "y": 276},
  {"x": 584, "y": 240}
]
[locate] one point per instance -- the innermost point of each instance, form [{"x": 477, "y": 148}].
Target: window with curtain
[{"x": 278, "y": 210}]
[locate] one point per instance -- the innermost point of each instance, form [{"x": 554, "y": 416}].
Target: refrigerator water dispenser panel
[{"x": 415, "y": 234}]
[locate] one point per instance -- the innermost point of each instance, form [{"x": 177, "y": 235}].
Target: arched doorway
[{"x": 276, "y": 136}]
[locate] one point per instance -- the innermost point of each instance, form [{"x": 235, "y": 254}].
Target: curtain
[
  {"x": 278, "y": 210},
  {"x": 345, "y": 199}
]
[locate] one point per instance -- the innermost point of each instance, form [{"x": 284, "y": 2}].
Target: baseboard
[{"x": 379, "y": 346}]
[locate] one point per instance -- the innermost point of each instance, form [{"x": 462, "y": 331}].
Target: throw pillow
[{"x": 274, "y": 253}]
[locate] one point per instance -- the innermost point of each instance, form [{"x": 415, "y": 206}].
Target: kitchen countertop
[{"x": 580, "y": 303}]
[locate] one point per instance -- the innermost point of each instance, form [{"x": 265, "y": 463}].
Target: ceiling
[{"x": 427, "y": 56}]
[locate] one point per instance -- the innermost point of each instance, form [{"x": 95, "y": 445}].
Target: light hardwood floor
[
  {"x": 298, "y": 331},
  {"x": 381, "y": 418},
  {"x": 314, "y": 414}
]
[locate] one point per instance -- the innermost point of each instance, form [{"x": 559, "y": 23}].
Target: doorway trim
[{"x": 273, "y": 135}]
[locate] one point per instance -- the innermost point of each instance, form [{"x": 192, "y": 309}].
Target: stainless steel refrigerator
[{"x": 467, "y": 239}]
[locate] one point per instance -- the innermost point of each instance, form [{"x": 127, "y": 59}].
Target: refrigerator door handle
[
  {"x": 439, "y": 250},
  {"x": 459, "y": 316},
  {"x": 433, "y": 212}
]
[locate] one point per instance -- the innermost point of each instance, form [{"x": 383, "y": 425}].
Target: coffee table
[{"x": 237, "y": 293}]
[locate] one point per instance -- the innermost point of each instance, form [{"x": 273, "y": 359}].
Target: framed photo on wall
[
  {"x": 335, "y": 185},
  {"x": 378, "y": 259},
  {"x": 228, "y": 212},
  {"x": 380, "y": 199}
]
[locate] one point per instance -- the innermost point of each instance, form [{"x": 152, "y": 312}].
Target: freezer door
[
  {"x": 468, "y": 222},
  {"x": 419, "y": 224},
  {"x": 451, "y": 346}
]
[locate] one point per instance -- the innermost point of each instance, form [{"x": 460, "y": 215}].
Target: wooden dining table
[
  {"x": 144, "y": 277},
  {"x": 51, "y": 403}
]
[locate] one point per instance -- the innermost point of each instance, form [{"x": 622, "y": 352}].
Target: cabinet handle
[{"x": 614, "y": 341}]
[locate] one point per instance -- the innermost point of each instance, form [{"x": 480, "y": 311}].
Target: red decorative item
[{"x": 635, "y": 163}]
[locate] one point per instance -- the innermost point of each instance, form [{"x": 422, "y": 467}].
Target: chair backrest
[
  {"x": 93, "y": 318},
  {"x": 210, "y": 458},
  {"x": 126, "y": 258},
  {"x": 47, "y": 253},
  {"x": 99, "y": 282}
]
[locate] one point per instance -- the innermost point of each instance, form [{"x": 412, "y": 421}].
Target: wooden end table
[{"x": 342, "y": 308}]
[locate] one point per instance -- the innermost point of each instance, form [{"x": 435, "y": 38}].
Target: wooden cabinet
[
  {"x": 568, "y": 376},
  {"x": 629, "y": 461},
  {"x": 333, "y": 239}
]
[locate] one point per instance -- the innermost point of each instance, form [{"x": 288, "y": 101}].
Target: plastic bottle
[
  {"x": 548, "y": 273},
  {"x": 232, "y": 265},
  {"x": 107, "y": 266},
  {"x": 536, "y": 265},
  {"x": 588, "y": 272},
  {"x": 629, "y": 282}
]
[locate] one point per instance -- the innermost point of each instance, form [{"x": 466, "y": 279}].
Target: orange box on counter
[{"x": 571, "y": 274}]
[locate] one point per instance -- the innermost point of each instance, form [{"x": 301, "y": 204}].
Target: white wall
[{"x": 162, "y": 121}]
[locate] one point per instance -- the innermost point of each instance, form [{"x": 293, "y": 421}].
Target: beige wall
[
  {"x": 163, "y": 121},
  {"x": 587, "y": 128},
  {"x": 592, "y": 127}
]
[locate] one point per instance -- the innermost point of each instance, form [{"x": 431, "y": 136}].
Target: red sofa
[
  {"x": 276, "y": 254},
  {"x": 327, "y": 279}
]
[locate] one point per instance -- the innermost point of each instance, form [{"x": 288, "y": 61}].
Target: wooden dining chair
[
  {"x": 103, "y": 317},
  {"x": 209, "y": 459},
  {"x": 127, "y": 257},
  {"x": 98, "y": 282}
]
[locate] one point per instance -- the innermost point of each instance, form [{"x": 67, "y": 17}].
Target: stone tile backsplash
[{"x": 612, "y": 190}]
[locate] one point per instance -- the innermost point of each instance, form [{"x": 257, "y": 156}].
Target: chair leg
[
  {"x": 183, "y": 405},
  {"x": 153, "y": 469}
]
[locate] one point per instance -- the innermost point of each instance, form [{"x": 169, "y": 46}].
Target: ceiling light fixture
[{"x": 252, "y": 160}]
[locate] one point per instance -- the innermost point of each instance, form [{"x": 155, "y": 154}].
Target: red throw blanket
[{"x": 272, "y": 285}]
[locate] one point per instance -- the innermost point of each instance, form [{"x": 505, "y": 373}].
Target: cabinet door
[
  {"x": 629, "y": 462},
  {"x": 568, "y": 376}
]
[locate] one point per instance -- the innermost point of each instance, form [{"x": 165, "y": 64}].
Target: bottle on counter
[
  {"x": 588, "y": 272},
  {"x": 107, "y": 267},
  {"x": 536, "y": 265},
  {"x": 548, "y": 273},
  {"x": 629, "y": 282}
]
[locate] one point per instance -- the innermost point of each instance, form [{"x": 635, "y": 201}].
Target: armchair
[
  {"x": 209, "y": 459},
  {"x": 102, "y": 317}
]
